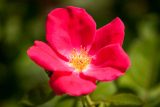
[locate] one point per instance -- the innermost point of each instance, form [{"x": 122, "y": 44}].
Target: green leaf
[
  {"x": 124, "y": 100},
  {"x": 66, "y": 101},
  {"x": 33, "y": 81},
  {"x": 40, "y": 95},
  {"x": 142, "y": 75},
  {"x": 51, "y": 103},
  {"x": 63, "y": 101},
  {"x": 155, "y": 92},
  {"x": 103, "y": 90},
  {"x": 154, "y": 97}
]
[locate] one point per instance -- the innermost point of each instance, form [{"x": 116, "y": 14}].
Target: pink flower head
[{"x": 77, "y": 54}]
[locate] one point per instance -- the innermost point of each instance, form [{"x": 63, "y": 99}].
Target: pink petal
[
  {"x": 72, "y": 85},
  {"x": 69, "y": 28},
  {"x": 112, "y": 56},
  {"x": 103, "y": 73},
  {"x": 109, "y": 34},
  {"x": 44, "y": 56}
]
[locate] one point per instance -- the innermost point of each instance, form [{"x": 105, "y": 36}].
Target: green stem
[
  {"x": 101, "y": 104},
  {"x": 89, "y": 101},
  {"x": 83, "y": 102}
]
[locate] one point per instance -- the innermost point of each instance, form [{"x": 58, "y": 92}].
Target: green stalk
[{"x": 90, "y": 103}]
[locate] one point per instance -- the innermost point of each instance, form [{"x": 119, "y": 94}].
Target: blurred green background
[{"x": 24, "y": 84}]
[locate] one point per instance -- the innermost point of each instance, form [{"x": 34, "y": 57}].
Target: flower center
[{"x": 79, "y": 59}]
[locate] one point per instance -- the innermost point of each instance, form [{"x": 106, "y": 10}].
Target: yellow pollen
[{"x": 79, "y": 59}]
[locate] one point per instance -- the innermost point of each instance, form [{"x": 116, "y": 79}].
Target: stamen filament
[{"x": 79, "y": 59}]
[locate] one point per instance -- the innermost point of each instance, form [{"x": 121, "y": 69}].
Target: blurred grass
[{"x": 23, "y": 21}]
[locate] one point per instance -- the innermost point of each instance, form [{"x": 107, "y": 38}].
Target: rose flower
[{"x": 77, "y": 54}]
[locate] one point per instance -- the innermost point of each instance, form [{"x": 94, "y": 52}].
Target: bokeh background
[{"x": 24, "y": 84}]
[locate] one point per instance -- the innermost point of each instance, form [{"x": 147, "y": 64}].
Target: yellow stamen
[{"x": 79, "y": 59}]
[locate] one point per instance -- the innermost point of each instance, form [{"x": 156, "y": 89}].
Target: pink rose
[{"x": 77, "y": 54}]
